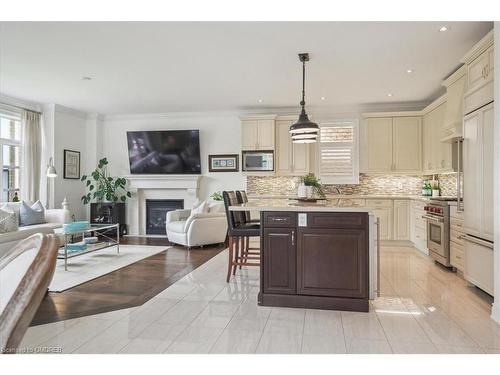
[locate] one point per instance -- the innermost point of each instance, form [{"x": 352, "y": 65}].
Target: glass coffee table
[{"x": 101, "y": 231}]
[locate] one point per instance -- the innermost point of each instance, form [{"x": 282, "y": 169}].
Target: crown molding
[
  {"x": 274, "y": 112},
  {"x": 21, "y": 103},
  {"x": 436, "y": 103},
  {"x": 478, "y": 48},
  {"x": 455, "y": 76}
]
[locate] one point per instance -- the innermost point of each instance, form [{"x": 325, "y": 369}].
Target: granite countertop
[
  {"x": 335, "y": 205},
  {"x": 353, "y": 196}
]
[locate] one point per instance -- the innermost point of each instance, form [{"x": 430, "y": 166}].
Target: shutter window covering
[{"x": 338, "y": 153}]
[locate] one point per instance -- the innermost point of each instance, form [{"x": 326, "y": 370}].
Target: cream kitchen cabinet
[
  {"x": 407, "y": 144},
  {"x": 437, "y": 154},
  {"x": 382, "y": 208},
  {"x": 257, "y": 134},
  {"x": 456, "y": 84},
  {"x": 292, "y": 159},
  {"x": 401, "y": 220},
  {"x": 480, "y": 71},
  {"x": 378, "y": 145},
  {"x": 392, "y": 145},
  {"x": 478, "y": 172},
  {"x": 418, "y": 226}
]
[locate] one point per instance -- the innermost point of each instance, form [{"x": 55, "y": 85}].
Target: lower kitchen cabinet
[
  {"x": 418, "y": 226},
  {"x": 332, "y": 263},
  {"x": 279, "y": 261},
  {"x": 401, "y": 220},
  {"x": 318, "y": 260},
  {"x": 382, "y": 208}
]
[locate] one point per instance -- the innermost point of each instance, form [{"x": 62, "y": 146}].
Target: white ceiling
[{"x": 174, "y": 66}]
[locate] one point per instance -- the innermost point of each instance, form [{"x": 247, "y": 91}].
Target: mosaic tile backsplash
[{"x": 368, "y": 185}]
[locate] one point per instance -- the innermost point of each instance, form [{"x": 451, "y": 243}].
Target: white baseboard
[{"x": 396, "y": 243}]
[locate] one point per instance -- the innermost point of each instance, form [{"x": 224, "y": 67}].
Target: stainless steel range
[{"x": 438, "y": 231}]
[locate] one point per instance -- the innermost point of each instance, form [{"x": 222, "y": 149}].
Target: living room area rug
[{"x": 96, "y": 264}]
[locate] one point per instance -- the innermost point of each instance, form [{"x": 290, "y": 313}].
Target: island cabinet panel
[
  {"x": 317, "y": 260},
  {"x": 279, "y": 261},
  {"x": 332, "y": 263}
]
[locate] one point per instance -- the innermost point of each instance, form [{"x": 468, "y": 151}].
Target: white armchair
[{"x": 198, "y": 229}]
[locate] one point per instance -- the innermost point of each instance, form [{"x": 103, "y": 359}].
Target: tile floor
[{"x": 423, "y": 309}]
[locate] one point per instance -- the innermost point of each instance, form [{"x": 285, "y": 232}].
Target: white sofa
[
  {"x": 198, "y": 229},
  {"x": 54, "y": 220}
]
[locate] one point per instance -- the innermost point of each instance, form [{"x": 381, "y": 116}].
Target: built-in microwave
[{"x": 258, "y": 161}]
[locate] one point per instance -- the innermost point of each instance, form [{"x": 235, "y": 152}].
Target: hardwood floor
[{"x": 127, "y": 287}]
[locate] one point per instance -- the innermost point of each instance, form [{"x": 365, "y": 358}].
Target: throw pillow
[
  {"x": 14, "y": 207},
  {"x": 32, "y": 215},
  {"x": 202, "y": 208},
  {"x": 8, "y": 221}
]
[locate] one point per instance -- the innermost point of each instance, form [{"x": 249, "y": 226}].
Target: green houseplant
[
  {"x": 217, "y": 196},
  {"x": 101, "y": 187},
  {"x": 314, "y": 185}
]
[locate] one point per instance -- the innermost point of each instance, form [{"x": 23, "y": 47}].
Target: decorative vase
[
  {"x": 309, "y": 192},
  {"x": 302, "y": 191}
]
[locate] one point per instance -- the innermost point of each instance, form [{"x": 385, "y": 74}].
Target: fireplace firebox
[{"x": 156, "y": 213}]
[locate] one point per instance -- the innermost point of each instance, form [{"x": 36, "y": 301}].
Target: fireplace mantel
[
  {"x": 147, "y": 186},
  {"x": 154, "y": 181}
]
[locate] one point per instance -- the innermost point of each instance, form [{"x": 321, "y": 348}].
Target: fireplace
[{"x": 156, "y": 213}]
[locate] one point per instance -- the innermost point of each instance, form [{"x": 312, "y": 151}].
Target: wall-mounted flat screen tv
[{"x": 164, "y": 152}]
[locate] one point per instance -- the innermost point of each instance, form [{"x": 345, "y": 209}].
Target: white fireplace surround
[{"x": 144, "y": 187}]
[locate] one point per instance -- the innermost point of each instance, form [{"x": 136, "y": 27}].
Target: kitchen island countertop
[{"x": 330, "y": 205}]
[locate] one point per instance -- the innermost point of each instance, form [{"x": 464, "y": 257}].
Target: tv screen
[{"x": 164, "y": 152}]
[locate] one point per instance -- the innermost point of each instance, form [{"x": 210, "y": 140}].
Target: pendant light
[{"x": 304, "y": 130}]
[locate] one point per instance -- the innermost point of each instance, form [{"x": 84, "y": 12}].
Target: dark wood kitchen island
[{"x": 315, "y": 256}]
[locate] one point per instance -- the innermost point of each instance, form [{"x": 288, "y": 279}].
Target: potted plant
[
  {"x": 106, "y": 195},
  {"x": 310, "y": 184},
  {"x": 217, "y": 196},
  {"x": 103, "y": 188}
]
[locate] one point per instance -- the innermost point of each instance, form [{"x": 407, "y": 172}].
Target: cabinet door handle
[
  {"x": 279, "y": 219},
  {"x": 293, "y": 238}
]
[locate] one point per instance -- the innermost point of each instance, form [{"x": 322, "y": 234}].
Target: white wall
[
  {"x": 495, "y": 314},
  {"x": 219, "y": 134},
  {"x": 70, "y": 133}
]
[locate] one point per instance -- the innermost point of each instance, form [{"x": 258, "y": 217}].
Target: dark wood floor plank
[{"x": 127, "y": 287}]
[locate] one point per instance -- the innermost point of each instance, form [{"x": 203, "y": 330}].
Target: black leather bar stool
[
  {"x": 238, "y": 229},
  {"x": 241, "y": 195}
]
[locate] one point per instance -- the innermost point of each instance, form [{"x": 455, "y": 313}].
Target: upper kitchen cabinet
[
  {"x": 392, "y": 144},
  {"x": 292, "y": 159},
  {"x": 480, "y": 71},
  {"x": 437, "y": 154},
  {"x": 407, "y": 144},
  {"x": 455, "y": 84},
  {"x": 257, "y": 133}
]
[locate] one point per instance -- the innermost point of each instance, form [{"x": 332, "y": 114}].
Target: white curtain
[{"x": 31, "y": 156}]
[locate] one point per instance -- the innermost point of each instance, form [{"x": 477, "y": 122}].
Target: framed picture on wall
[
  {"x": 223, "y": 163},
  {"x": 71, "y": 164}
]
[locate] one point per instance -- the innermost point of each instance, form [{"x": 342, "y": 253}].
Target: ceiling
[{"x": 159, "y": 67}]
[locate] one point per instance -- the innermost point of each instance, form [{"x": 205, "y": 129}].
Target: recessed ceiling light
[
  {"x": 86, "y": 78},
  {"x": 259, "y": 100},
  {"x": 389, "y": 95},
  {"x": 323, "y": 98},
  {"x": 443, "y": 28},
  {"x": 409, "y": 71}
]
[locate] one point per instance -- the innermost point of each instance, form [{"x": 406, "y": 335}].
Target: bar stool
[
  {"x": 241, "y": 195},
  {"x": 238, "y": 229}
]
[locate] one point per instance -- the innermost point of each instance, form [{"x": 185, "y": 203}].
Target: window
[
  {"x": 339, "y": 152},
  {"x": 10, "y": 155}
]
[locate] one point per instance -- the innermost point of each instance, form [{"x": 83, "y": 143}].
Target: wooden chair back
[{"x": 23, "y": 304}]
